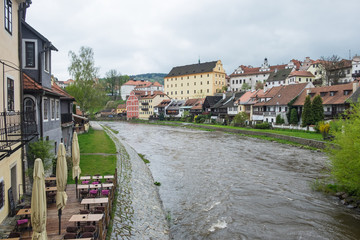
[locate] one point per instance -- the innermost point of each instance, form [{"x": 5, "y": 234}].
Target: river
[{"x": 225, "y": 186}]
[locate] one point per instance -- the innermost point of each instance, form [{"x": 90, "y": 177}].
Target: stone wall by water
[{"x": 139, "y": 213}]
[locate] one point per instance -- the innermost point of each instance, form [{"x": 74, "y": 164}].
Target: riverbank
[{"x": 139, "y": 213}]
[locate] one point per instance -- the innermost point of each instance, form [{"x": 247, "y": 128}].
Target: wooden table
[
  {"x": 86, "y": 217},
  {"x": 19, "y": 239},
  {"x": 51, "y": 189},
  {"x": 85, "y": 178},
  {"x": 97, "y": 177},
  {"x": 96, "y": 186},
  {"x": 107, "y": 185},
  {"x": 50, "y": 179},
  {"x": 89, "y": 201},
  {"x": 109, "y": 177},
  {"x": 24, "y": 211}
]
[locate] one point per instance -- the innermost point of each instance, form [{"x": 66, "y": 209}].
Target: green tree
[
  {"x": 259, "y": 85},
  {"x": 307, "y": 114},
  {"x": 245, "y": 86},
  {"x": 279, "y": 119},
  {"x": 318, "y": 109},
  {"x": 240, "y": 119},
  {"x": 40, "y": 149},
  {"x": 345, "y": 157},
  {"x": 112, "y": 82},
  {"x": 89, "y": 95},
  {"x": 293, "y": 116}
]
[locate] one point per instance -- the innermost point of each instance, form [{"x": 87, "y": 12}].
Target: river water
[{"x": 224, "y": 186}]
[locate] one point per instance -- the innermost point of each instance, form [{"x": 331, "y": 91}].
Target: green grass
[
  {"x": 142, "y": 156},
  {"x": 287, "y": 132},
  {"x": 96, "y": 142},
  {"x": 109, "y": 128}
]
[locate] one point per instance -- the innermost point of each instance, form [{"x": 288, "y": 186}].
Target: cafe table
[
  {"x": 85, "y": 178},
  {"x": 107, "y": 185},
  {"x": 50, "y": 179},
  {"x": 109, "y": 177},
  {"x": 51, "y": 189},
  {"x": 24, "y": 211},
  {"x": 77, "y": 218},
  {"x": 89, "y": 201},
  {"x": 96, "y": 186}
]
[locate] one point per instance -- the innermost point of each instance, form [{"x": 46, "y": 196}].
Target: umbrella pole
[
  {"x": 76, "y": 183},
  {"x": 59, "y": 214}
]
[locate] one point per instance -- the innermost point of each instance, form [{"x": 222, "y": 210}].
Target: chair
[
  {"x": 84, "y": 211},
  {"x": 70, "y": 235},
  {"x": 85, "y": 182},
  {"x": 51, "y": 197},
  {"x": 98, "y": 212},
  {"x": 22, "y": 224},
  {"x": 109, "y": 181},
  {"x": 14, "y": 235},
  {"x": 72, "y": 230},
  {"x": 84, "y": 193},
  {"x": 105, "y": 193},
  {"x": 95, "y": 182},
  {"x": 93, "y": 193}
]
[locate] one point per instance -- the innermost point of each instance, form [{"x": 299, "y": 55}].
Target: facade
[
  {"x": 132, "y": 104},
  {"x": 38, "y": 93},
  {"x": 148, "y": 102},
  {"x": 149, "y": 86},
  {"x": 195, "y": 81},
  {"x": 121, "y": 109},
  {"x": 140, "y": 85},
  {"x": 296, "y": 77},
  {"x": 355, "y": 70},
  {"x": 246, "y": 101},
  {"x": 161, "y": 107},
  {"x": 252, "y": 75},
  {"x": 174, "y": 109},
  {"x": 277, "y": 78},
  {"x": 341, "y": 73},
  {"x": 259, "y": 108},
  {"x": 197, "y": 108},
  {"x": 64, "y": 84},
  {"x": 318, "y": 70},
  {"x": 15, "y": 128}
]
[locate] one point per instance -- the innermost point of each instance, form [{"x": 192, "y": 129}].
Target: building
[
  {"x": 148, "y": 102},
  {"x": 247, "y": 100},
  {"x": 139, "y": 85},
  {"x": 174, "y": 109},
  {"x": 132, "y": 104},
  {"x": 355, "y": 70},
  {"x": 121, "y": 109},
  {"x": 149, "y": 86},
  {"x": 195, "y": 81},
  {"x": 252, "y": 75},
  {"x": 161, "y": 107},
  {"x": 16, "y": 126},
  {"x": 299, "y": 77},
  {"x": 277, "y": 78},
  {"x": 64, "y": 84}
]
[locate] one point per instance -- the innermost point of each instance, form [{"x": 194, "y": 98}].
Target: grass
[
  {"x": 142, "y": 156},
  {"x": 109, "y": 128},
  {"x": 157, "y": 183},
  {"x": 96, "y": 142}
]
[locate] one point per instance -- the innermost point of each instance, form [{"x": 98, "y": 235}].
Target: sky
[{"x": 153, "y": 36}]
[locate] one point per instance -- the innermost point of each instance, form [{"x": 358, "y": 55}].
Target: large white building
[{"x": 140, "y": 85}]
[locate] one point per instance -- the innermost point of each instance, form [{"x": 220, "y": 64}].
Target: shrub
[
  {"x": 240, "y": 119},
  {"x": 264, "y": 125},
  {"x": 279, "y": 119},
  {"x": 324, "y": 129},
  {"x": 294, "y": 116}
]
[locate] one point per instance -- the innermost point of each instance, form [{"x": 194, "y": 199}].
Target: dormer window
[
  {"x": 347, "y": 92},
  {"x": 322, "y": 94},
  {"x": 332, "y": 93}
]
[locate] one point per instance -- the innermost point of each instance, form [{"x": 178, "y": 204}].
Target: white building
[{"x": 140, "y": 85}]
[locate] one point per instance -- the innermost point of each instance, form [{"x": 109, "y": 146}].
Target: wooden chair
[
  {"x": 70, "y": 236},
  {"x": 87, "y": 235},
  {"x": 14, "y": 235}
]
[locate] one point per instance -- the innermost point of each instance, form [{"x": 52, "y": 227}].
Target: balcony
[
  {"x": 145, "y": 109},
  {"x": 66, "y": 118},
  {"x": 16, "y": 127},
  {"x": 144, "y": 103},
  {"x": 270, "y": 114}
]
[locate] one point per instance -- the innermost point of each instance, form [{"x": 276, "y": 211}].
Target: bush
[
  {"x": 264, "y": 125},
  {"x": 240, "y": 119},
  {"x": 279, "y": 119}
]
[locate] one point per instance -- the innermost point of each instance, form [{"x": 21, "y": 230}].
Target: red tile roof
[
  {"x": 268, "y": 94},
  {"x": 198, "y": 105},
  {"x": 156, "y": 84},
  {"x": 154, "y": 94},
  {"x": 164, "y": 103},
  {"x": 324, "y": 92},
  {"x": 134, "y": 82},
  {"x": 286, "y": 94},
  {"x": 30, "y": 84},
  {"x": 121, "y": 106},
  {"x": 301, "y": 74},
  {"x": 253, "y": 71},
  {"x": 61, "y": 91}
]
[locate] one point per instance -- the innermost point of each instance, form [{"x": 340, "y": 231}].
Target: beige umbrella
[
  {"x": 38, "y": 202},
  {"x": 76, "y": 171},
  {"x": 61, "y": 180}
]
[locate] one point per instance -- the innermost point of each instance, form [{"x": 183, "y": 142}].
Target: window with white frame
[
  {"x": 57, "y": 109},
  {"x": 47, "y": 61},
  {"x": 30, "y": 54},
  {"x": 52, "y": 109},
  {"x": 46, "y": 109},
  {"x": 8, "y": 15}
]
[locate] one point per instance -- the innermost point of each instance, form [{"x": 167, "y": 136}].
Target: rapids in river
[{"x": 226, "y": 186}]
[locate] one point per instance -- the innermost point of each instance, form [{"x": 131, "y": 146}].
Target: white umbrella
[
  {"x": 61, "y": 181},
  {"x": 38, "y": 202},
  {"x": 75, "y": 153}
]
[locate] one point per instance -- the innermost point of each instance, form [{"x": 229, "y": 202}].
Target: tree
[
  {"x": 245, "y": 86},
  {"x": 345, "y": 157},
  {"x": 88, "y": 94},
  {"x": 240, "y": 119},
  {"x": 293, "y": 116},
  {"x": 279, "y": 119},
  {"x": 224, "y": 88},
  {"x": 259, "y": 85},
  {"x": 307, "y": 114},
  {"x": 318, "y": 109},
  {"x": 331, "y": 68}
]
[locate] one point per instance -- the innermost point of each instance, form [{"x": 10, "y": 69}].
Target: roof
[
  {"x": 268, "y": 94},
  {"x": 143, "y": 84},
  {"x": 121, "y": 106},
  {"x": 52, "y": 47},
  {"x": 151, "y": 96},
  {"x": 68, "y": 81},
  {"x": 61, "y": 91},
  {"x": 212, "y": 100},
  {"x": 176, "y": 104},
  {"x": 156, "y": 84},
  {"x": 286, "y": 94},
  {"x": 246, "y": 97},
  {"x": 134, "y": 82},
  {"x": 192, "y": 69},
  {"x": 164, "y": 103},
  {"x": 301, "y": 74},
  {"x": 31, "y": 85},
  {"x": 324, "y": 92},
  {"x": 279, "y": 75},
  {"x": 256, "y": 70},
  {"x": 229, "y": 98},
  {"x": 192, "y": 102},
  {"x": 199, "y": 104}
]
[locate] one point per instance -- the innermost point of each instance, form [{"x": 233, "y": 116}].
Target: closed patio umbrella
[
  {"x": 75, "y": 153},
  {"x": 38, "y": 202},
  {"x": 61, "y": 180}
]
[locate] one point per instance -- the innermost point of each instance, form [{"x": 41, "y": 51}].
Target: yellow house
[
  {"x": 299, "y": 77},
  {"x": 195, "y": 81},
  {"x": 148, "y": 102},
  {"x": 121, "y": 108},
  {"x": 11, "y": 167},
  {"x": 319, "y": 72}
]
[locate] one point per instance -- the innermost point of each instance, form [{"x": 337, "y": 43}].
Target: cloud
[{"x": 153, "y": 36}]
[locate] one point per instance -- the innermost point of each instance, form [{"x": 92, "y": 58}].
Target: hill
[{"x": 152, "y": 77}]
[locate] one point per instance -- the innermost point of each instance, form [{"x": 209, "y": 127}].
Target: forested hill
[{"x": 153, "y": 77}]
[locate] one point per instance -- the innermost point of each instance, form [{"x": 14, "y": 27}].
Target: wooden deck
[{"x": 52, "y": 227}]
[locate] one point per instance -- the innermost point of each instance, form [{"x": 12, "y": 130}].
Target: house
[
  {"x": 121, "y": 109},
  {"x": 38, "y": 93},
  {"x": 132, "y": 104},
  {"x": 299, "y": 77},
  {"x": 246, "y": 101},
  {"x": 197, "y": 108},
  {"x": 225, "y": 106},
  {"x": 340, "y": 72},
  {"x": 174, "y": 109},
  {"x": 195, "y": 80},
  {"x": 278, "y": 104},
  {"x": 130, "y": 85},
  {"x": 190, "y": 103},
  {"x": 252, "y": 75},
  {"x": 355, "y": 70},
  {"x": 160, "y": 108},
  {"x": 259, "y": 107},
  {"x": 148, "y": 102},
  {"x": 277, "y": 78},
  {"x": 108, "y": 113},
  {"x": 209, "y": 103},
  {"x": 17, "y": 127},
  {"x": 149, "y": 86},
  {"x": 64, "y": 84},
  {"x": 317, "y": 68},
  {"x": 306, "y": 64},
  {"x": 335, "y": 98}
]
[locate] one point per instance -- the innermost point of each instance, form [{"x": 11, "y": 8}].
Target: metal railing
[{"x": 66, "y": 118}]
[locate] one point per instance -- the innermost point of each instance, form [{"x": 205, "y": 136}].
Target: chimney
[
  {"x": 355, "y": 85},
  {"x": 224, "y": 95}
]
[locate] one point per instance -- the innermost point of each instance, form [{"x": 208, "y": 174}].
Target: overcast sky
[{"x": 143, "y": 36}]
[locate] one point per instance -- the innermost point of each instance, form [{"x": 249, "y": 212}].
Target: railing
[
  {"x": 258, "y": 113},
  {"x": 66, "y": 118},
  {"x": 144, "y": 103},
  {"x": 145, "y": 109},
  {"x": 10, "y": 128},
  {"x": 269, "y": 113}
]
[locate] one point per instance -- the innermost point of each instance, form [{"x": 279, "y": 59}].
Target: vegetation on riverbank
[
  {"x": 142, "y": 156},
  {"x": 96, "y": 142}
]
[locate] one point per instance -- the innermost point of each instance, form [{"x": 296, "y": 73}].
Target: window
[
  {"x": 46, "y": 108},
  {"x": 194, "y": 91},
  {"x": 47, "y": 61},
  {"x": 2, "y": 194},
  {"x": 10, "y": 94},
  {"x": 52, "y": 109},
  {"x": 209, "y": 82},
  {"x": 194, "y": 83},
  {"x": 29, "y": 107},
  {"x": 8, "y": 15},
  {"x": 187, "y": 91},
  {"x": 207, "y": 90},
  {"x": 29, "y": 54},
  {"x": 57, "y": 109}
]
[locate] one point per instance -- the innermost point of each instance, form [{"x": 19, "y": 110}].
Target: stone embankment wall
[
  {"x": 139, "y": 212},
  {"x": 307, "y": 142}
]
